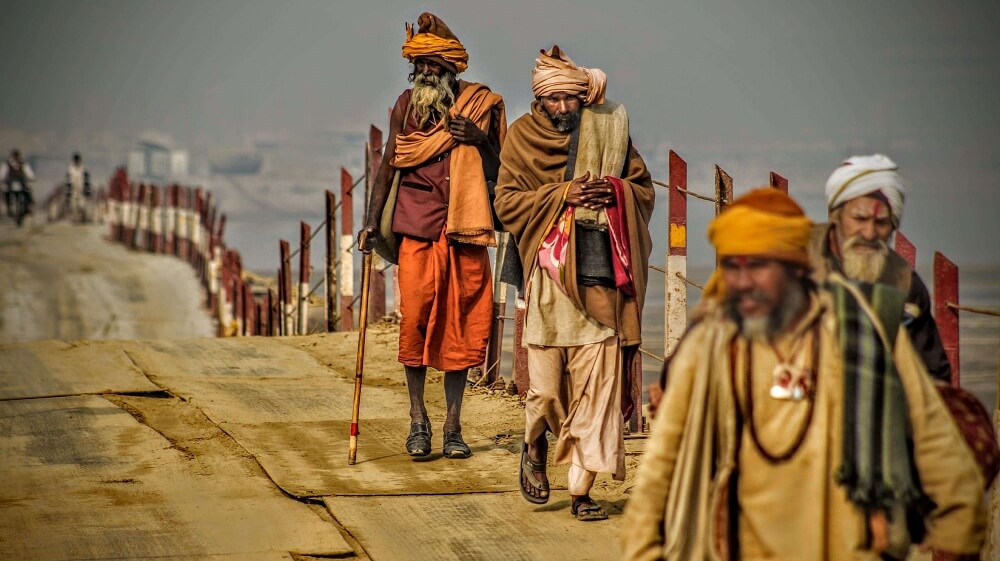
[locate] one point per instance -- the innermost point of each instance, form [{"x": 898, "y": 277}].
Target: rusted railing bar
[
  {"x": 689, "y": 281},
  {"x": 651, "y": 355},
  {"x": 983, "y": 311}
]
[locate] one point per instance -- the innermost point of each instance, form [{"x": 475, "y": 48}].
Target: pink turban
[{"x": 555, "y": 73}]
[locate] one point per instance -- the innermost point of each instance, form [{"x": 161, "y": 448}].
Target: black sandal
[
  {"x": 586, "y": 509},
  {"x": 419, "y": 441},
  {"x": 527, "y": 467}
]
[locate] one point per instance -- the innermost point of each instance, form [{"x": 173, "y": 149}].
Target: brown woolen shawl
[{"x": 530, "y": 193}]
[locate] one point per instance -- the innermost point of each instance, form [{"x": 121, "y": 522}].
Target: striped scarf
[{"x": 877, "y": 470}]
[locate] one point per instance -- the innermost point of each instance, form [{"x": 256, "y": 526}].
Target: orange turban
[
  {"x": 556, "y": 73},
  {"x": 762, "y": 223},
  {"x": 434, "y": 40}
]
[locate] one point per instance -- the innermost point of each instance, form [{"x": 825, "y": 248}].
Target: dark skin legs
[{"x": 454, "y": 391}]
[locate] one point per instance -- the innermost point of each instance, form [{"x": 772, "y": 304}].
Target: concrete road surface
[{"x": 63, "y": 281}]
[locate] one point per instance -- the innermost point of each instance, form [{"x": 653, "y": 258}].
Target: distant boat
[{"x": 237, "y": 164}]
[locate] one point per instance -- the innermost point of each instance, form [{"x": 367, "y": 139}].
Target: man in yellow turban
[
  {"x": 430, "y": 212},
  {"x": 577, "y": 197},
  {"x": 797, "y": 423}
]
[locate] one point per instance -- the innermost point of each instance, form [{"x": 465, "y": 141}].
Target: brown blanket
[{"x": 530, "y": 193}]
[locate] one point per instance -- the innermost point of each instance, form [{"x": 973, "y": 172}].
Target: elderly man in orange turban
[
  {"x": 430, "y": 213},
  {"x": 797, "y": 423},
  {"x": 577, "y": 197}
]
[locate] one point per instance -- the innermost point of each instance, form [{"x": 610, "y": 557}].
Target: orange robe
[{"x": 446, "y": 303}]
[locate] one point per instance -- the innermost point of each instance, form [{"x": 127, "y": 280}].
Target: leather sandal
[
  {"x": 527, "y": 467},
  {"x": 454, "y": 446},
  {"x": 587, "y": 510},
  {"x": 419, "y": 441}
]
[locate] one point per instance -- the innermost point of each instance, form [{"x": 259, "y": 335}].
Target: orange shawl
[{"x": 470, "y": 219}]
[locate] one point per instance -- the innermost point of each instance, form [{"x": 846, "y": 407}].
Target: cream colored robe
[{"x": 795, "y": 510}]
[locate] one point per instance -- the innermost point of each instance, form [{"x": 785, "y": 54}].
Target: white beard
[{"x": 865, "y": 266}]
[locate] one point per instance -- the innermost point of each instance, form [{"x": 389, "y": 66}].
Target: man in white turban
[{"x": 865, "y": 203}]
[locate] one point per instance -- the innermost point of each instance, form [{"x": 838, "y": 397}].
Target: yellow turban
[
  {"x": 434, "y": 40},
  {"x": 556, "y": 73},
  {"x": 762, "y": 223}
]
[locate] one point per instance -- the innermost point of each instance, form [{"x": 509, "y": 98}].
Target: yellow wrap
[
  {"x": 763, "y": 223},
  {"x": 428, "y": 45}
]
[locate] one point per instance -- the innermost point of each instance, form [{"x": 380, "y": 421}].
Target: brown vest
[{"x": 422, "y": 200}]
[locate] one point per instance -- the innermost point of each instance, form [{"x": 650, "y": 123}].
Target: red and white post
[
  {"x": 904, "y": 247},
  {"x": 778, "y": 182},
  {"x": 346, "y": 253},
  {"x": 946, "y": 311},
  {"x": 675, "y": 301},
  {"x": 305, "y": 232}
]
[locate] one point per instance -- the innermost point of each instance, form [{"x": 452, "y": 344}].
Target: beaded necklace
[{"x": 747, "y": 405}]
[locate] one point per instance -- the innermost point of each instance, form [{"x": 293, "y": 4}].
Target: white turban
[{"x": 864, "y": 175}]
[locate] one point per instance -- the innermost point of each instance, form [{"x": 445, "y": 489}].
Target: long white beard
[
  {"x": 431, "y": 97},
  {"x": 865, "y": 266}
]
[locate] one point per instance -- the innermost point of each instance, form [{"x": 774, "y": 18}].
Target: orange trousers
[{"x": 446, "y": 304}]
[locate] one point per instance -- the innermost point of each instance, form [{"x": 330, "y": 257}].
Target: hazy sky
[{"x": 752, "y": 85}]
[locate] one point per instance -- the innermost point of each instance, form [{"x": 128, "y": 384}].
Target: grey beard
[
  {"x": 566, "y": 122},
  {"x": 865, "y": 267},
  {"x": 763, "y": 329},
  {"x": 432, "y": 96}
]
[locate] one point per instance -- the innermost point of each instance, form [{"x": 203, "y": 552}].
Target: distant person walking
[
  {"x": 78, "y": 190},
  {"x": 430, "y": 212}
]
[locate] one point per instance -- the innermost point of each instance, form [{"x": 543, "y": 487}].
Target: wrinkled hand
[
  {"x": 366, "y": 238},
  {"x": 465, "y": 131},
  {"x": 589, "y": 193}
]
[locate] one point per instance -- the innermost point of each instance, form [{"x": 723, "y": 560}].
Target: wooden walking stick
[{"x": 366, "y": 277}]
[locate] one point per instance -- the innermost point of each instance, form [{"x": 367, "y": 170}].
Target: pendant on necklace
[{"x": 791, "y": 383}]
